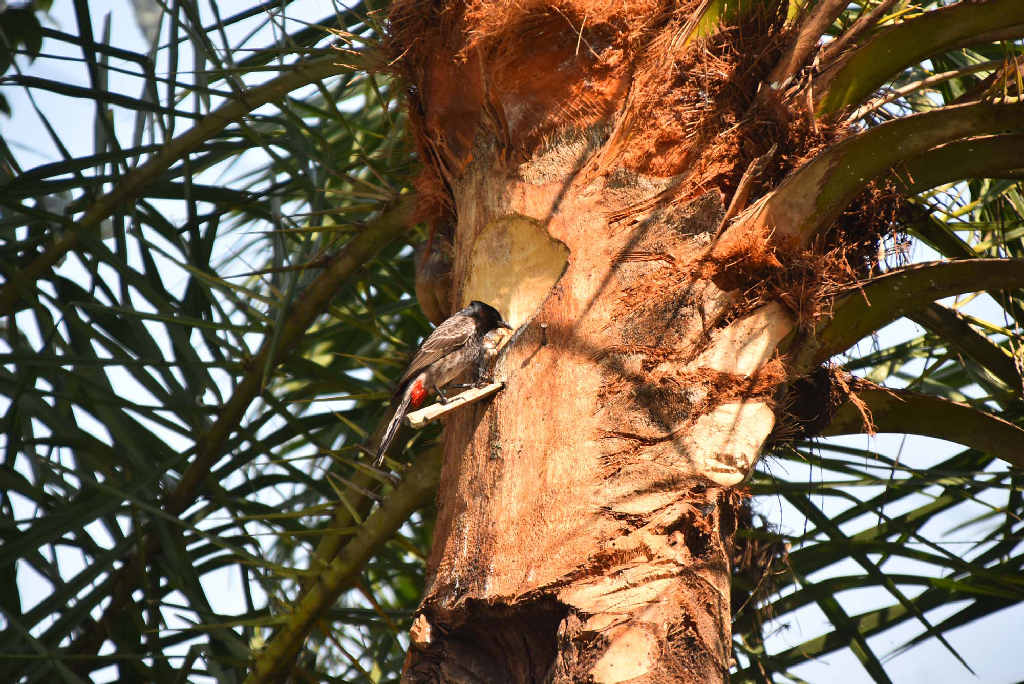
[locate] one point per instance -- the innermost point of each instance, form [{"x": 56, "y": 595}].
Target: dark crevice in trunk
[{"x": 479, "y": 643}]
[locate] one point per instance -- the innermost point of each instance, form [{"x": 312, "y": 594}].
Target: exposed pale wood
[
  {"x": 514, "y": 264},
  {"x": 428, "y": 414}
]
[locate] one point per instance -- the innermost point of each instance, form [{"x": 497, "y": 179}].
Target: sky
[{"x": 990, "y": 646}]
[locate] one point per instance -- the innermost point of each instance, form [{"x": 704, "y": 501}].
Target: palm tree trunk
[{"x": 586, "y": 513}]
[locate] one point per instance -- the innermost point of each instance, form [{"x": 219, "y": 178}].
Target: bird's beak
[{"x": 503, "y": 324}]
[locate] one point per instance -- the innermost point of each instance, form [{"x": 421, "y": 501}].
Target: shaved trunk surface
[
  {"x": 584, "y": 154},
  {"x": 582, "y": 532}
]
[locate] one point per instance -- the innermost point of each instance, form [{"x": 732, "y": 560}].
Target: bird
[
  {"x": 433, "y": 262},
  {"x": 455, "y": 346}
]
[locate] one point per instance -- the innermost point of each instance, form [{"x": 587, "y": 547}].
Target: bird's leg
[{"x": 440, "y": 395}]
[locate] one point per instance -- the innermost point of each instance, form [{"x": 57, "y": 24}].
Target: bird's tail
[{"x": 392, "y": 428}]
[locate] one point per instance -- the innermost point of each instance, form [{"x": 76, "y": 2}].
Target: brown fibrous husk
[
  {"x": 524, "y": 71},
  {"x": 528, "y": 68}
]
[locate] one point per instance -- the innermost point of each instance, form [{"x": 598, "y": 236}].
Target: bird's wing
[{"x": 445, "y": 339}]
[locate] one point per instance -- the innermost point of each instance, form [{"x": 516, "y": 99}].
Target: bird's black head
[{"x": 487, "y": 316}]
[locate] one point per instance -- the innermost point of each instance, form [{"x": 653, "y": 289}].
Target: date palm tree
[{"x": 701, "y": 218}]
